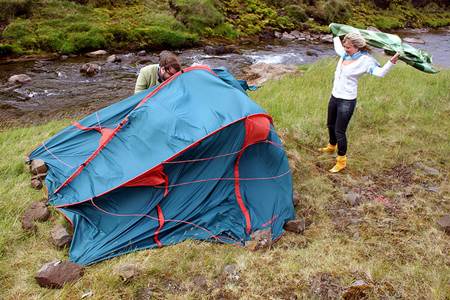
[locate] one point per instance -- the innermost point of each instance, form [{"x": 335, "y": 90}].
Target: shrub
[
  {"x": 89, "y": 40},
  {"x": 159, "y": 37},
  {"x": 283, "y": 22},
  {"x": 296, "y": 13},
  {"x": 437, "y": 22},
  {"x": 225, "y": 30},
  {"x": 198, "y": 14},
  {"x": 15, "y": 8},
  {"x": 49, "y": 39},
  {"x": 386, "y": 22},
  {"x": 106, "y": 3},
  {"x": 20, "y": 28},
  {"x": 7, "y": 49},
  {"x": 337, "y": 11}
]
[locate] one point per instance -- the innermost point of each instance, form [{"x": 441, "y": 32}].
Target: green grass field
[{"x": 390, "y": 239}]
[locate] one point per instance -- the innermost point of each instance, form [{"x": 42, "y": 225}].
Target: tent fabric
[
  {"x": 391, "y": 43},
  {"x": 194, "y": 158}
]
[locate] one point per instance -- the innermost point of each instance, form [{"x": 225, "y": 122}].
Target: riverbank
[
  {"x": 68, "y": 27},
  {"x": 58, "y": 90},
  {"x": 375, "y": 222}
]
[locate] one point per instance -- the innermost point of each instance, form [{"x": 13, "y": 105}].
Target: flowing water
[{"x": 59, "y": 90}]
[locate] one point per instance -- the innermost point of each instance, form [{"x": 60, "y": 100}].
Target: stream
[{"x": 58, "y": 89}]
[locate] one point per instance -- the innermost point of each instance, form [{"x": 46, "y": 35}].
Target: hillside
[{"x": 67, "y": 27}]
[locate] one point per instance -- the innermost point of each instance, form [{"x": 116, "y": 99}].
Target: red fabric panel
[
  {"x": 256, "y": 129},
  {"x": 161, "y": 222},
  {"x": 155, "y": 176},
  {"x": 240, "y": 201},
  {"x": 81, "y": 127},
  {"x": 106, "y": 133}
]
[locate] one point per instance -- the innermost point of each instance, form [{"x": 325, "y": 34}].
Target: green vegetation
[
  {"x": 390, "y": 239},
  {"x": 64, "y": 26}
]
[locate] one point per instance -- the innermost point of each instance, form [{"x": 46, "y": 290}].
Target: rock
[
  {"x": 259, "y": 73},
  {"x": 374, "y": 29},
  {"x": 357, "y": 290},
  {"x": 144, "y": 294},
  {"x": 220, "y": 50},
  {"x": 352, "y": 198},
  {"x": 142, "y": 53},
  {"x": 19, "y": 79},
  {"x": 28, "y": 225},
  {"x": 90, "y": 69},
  {"x": 36, "y": 184},
  {"x": 311, "y": 53},
  {"x": 56, "y": 273},
  {"x": 37, "y": 211},
  {"x": 327, "y": 38},
  {"x": 113, "y": 59},
  {"x": 427, "y": 169},
  {"x": 296, "y": 198},
  {"x": 315, "y": 37},
  {"x": 87, "y": 294},
  {"x": 259, "y": 239},
  {"x": 63, "y": 57},
  {"x": 413, "y": 40},
  {"x": 38, "y": 166},
  {"x": 230, "y": 272},
  {"x": 444, "y": 223},
  {"x": 287, "y": 36},
  {"x": 60, "y": 236},
  {"x": 295, "y": 33},
  {"x": 96, "y": 53},
  {"x": 277, "y": 34},
  {"x": 296, "y": 226},
  {"x": 433, "y": 189},
  {"x": 127, "y": 272},
  {"x": 266, "y": 35},
  {"x": 40, "y": 176}
]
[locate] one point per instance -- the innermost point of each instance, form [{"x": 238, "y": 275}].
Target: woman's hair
[
  {"x": 168, "y": 59},
  {"x": 357, "y": 40}
]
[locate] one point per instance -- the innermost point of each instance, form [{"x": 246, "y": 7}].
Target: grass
[
  {"x": 68, "y": 27},
  {"x": 390, "y": 239},
  {"x": 64, "y": 26}
]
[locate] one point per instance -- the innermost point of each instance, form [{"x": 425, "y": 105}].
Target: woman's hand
[{"x": 394, "y": 58}]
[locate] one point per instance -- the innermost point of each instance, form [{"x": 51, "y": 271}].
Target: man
[{"x": 152, "y": 75}]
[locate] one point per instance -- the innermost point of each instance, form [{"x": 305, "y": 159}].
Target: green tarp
[{"x": 391, "y": 43}]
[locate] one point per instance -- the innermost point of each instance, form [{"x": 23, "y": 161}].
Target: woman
[{"x": 354, "y": 62}]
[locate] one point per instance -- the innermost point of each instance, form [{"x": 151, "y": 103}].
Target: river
[{"x": 58, "y": 89}]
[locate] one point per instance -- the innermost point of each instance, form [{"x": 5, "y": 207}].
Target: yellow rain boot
[
  {"x": 341, "y": 163},
  {"x": 328, "y": 149}
]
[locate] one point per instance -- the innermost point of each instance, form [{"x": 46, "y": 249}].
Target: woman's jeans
[{"x": 340, "y": 112}]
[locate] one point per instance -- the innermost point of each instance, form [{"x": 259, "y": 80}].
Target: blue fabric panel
[
  {"x": 210, "y": 205},
  {"x": 268, "y": 201},
  {"x": 65, "y": 151},
  {"x": 98, "y": 235},
  {"x": 181, "y": 113},
  {"x": 226, "y": 76}
]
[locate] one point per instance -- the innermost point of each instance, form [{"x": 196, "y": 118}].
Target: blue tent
[{"x": 194, "y": 158}]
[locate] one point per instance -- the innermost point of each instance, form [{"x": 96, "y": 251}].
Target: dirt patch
[
  {"x": 326, "y": 286},
  {"x": 387, "y": 189}
]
